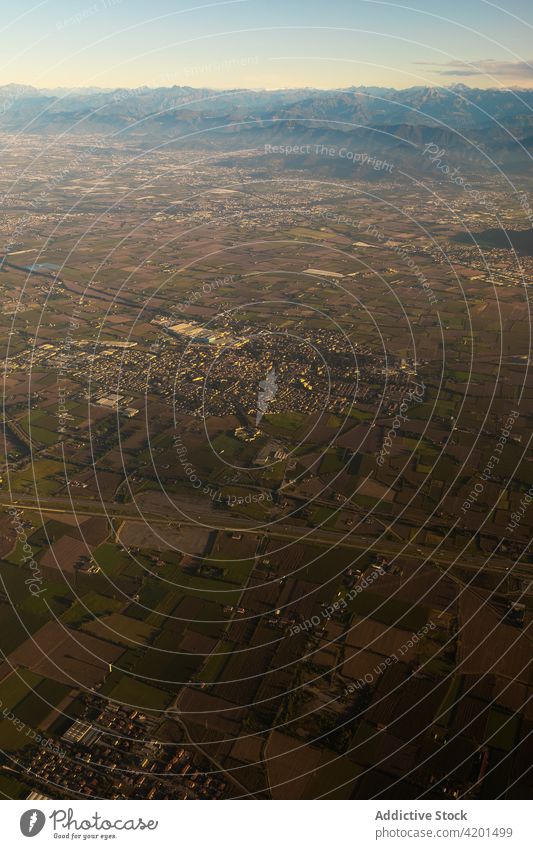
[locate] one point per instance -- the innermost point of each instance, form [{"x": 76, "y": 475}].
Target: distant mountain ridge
[
  {"x": 458, "y": 106},
  {"x": 499, "y": 122}
]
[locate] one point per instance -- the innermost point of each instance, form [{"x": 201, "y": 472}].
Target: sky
[{"x": 266, "y": 43}]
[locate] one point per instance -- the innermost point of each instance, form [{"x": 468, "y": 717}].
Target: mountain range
[{"x": 477, "y": 125}]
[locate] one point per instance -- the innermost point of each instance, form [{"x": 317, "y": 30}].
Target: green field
[
  {"x": 16, "y": 686},
  {"x": 37, "y": 704},
  {"x": 111, "y": 559},
  {"x": 215, "y": 663},
  {"x": 392, "y": 611},
  {"x": 89, "y": 607},
  {"x": 504, "y": 726},
  {"x": 132, "y": 691}
]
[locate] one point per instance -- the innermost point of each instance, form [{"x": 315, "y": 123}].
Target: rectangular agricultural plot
[
  {"x": 65, "y": 554},
  {"x": 166, "y": 664},
  {"x": 378, "y": 637},
  {"x": 121, "y": 629},
  {"x": 16, "y": 686},
  {"x": 136, "y": 693},
  {"x": 481, "y": 629},
  {"x": 393, "y": 611},
  {"x": 36, "y": 706},
  {"x": 111, "y": 560},
  {"x": 69, "y": 657},
  {"x": 89, "y": 607},
  {"x": 359, "y": 662},
  {"x": 291, "y": 766},
  {"x": 140, "y": 535}
]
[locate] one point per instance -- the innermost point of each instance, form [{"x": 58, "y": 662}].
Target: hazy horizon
[{"x": 347, "y": 88}]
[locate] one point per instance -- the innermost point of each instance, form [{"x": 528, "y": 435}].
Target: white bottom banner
[{"x": 262, "y": 825}]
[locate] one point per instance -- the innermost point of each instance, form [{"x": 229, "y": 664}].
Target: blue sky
[{"x": 272, "y": 44}]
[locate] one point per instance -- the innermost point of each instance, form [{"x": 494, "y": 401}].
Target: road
[{"x": 278, "y": 531}]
